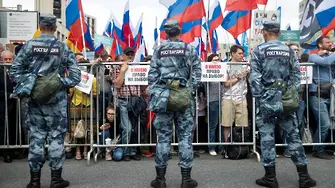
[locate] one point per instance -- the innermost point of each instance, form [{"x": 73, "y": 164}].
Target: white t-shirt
[{"x": 237, "y": 92}]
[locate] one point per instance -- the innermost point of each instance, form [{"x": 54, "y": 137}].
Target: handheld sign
[
  {"x": 213, "y": 72},
  {"x": 137, "y": 75},
  {"x": 306, "y": 74},
  {"x": 85, "y": 85}
]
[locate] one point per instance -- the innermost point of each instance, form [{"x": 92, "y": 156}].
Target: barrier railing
[
  {"x": 140, "y": 143},
  {"x": 306, "y": 131},
  {"x": 93, "y": 113}
]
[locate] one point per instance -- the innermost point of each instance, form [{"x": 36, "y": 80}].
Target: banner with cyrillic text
[
  {"x": 137, "y": 75},
  {"x": 213, "y": 72}
]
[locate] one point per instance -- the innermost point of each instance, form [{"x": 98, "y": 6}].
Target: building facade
[
  {"x": 58, "y": 7},
  {"x": 92, "y": 24}
]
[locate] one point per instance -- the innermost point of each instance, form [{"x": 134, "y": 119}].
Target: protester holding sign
[
  {"x": 234, "y": 93},
  {"x": 124, "y": 94}
]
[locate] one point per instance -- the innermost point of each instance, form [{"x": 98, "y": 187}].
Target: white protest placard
[
  {"x": 85, "y": 85},
  {"x": 137, "y": 75},
  {"x": 306, "y": 74},
  {"x": 260, "y": 17},
  {"x": 213, "y": 72},
  {"x": 21, "y": 26}
]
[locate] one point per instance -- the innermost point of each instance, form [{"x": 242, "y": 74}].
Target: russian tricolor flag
[
  {"x": 186, "y": 10},
  {"x": 156, "y": 38},
  {"x": 88, "y": 39},
  {"x": 141, "y": 52},
  {"x": 215, "y": 20},
  {"x": 238, "y": 5},
  {"x": 237, "y": 22},
  {"x": 189, "y": 13},
  {"x": 215, "y": 16},
  {"x": 215, "y": 42},
  {"x": 75, "y": 23},
  {"x": 191, "y": 30},
  {"x": 138, "y": 34},
  {"x": 200, "y": 47},
  {"x": 99, "y": 49},
  {"x": 109, "y": 27},
  {"x": 325, "y": 13},
  {"x": 127, "y": 35},
  {"x": 118, "y": 45}
]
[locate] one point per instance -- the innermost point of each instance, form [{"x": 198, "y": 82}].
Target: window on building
[
  {"x": 57, "y": 10},
  {"x": 58, "y": 35},
  {"x": 92, "y": 27}
]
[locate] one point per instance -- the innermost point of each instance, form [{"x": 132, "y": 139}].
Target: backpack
[{"x": 238, "y": 152}]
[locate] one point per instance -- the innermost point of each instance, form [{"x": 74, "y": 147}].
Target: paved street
[{"x": 210, "y": 172}]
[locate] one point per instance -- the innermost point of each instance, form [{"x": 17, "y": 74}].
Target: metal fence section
[
  {"x": 98, "y": 147},
  {"x": 307, "y": 130},
  {"x": 91, "y": 109}
]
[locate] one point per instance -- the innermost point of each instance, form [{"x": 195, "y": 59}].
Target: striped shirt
[{"x": 126, "y": 91}]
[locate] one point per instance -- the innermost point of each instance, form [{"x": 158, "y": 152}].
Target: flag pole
[
  {"x": 128, "y": 40},
  {"x": 208, "y": 34},
  {"x": 158, "y": 33},
  {"x": 251, "y": 48},
  {"x": 82, "y": 32}
]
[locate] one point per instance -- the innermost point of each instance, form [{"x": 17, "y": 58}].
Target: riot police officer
[
  {"x": 176, "y": 63},
  {"x": 49, "y": 119},
  {"x": 275, "y": 70}
]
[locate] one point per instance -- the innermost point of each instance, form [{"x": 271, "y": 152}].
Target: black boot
[
  {"x": 269, "y": 180},
  {"x": 159, "y": 182},
  {"x": 305, "y": 181},
  {"x": 35, "y": 180},
  {"x": 187, "y": 182},
  {"x": 57, "y": 180}
]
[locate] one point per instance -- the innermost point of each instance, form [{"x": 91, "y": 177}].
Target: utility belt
[
  {"x": 278, "y": 84},
  {"x": 172, "y": 83}
]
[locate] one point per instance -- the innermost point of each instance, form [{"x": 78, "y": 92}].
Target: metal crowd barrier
[
  {"x": 92, "y": 119},
  {"x": 308, "y": 114},
  {"x": 96, "y": 148}
]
